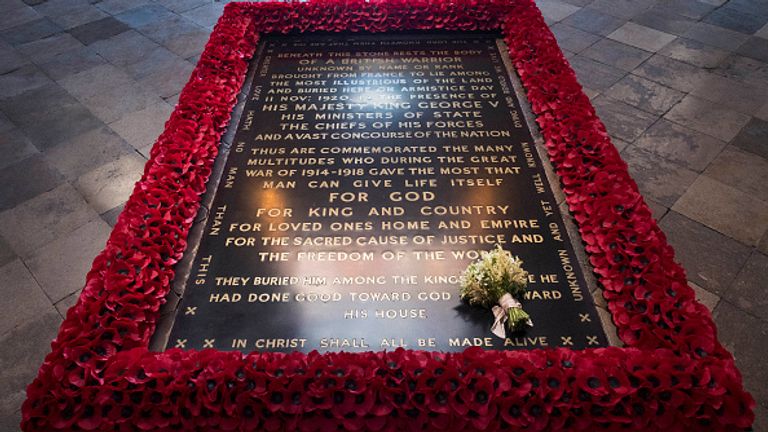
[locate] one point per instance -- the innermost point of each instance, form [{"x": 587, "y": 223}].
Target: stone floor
[{"x": 86, "y": 85}]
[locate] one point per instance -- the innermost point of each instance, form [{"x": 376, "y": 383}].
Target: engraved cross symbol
[
  {"x": 208, "y": 343},
  {"x": 181, "y": 343},
  {"x": 191, "y": 310},
  {"x": 592, "y": 340},
  {"x": 585, "y": 317},
  {"x": 567, "y": 340}
]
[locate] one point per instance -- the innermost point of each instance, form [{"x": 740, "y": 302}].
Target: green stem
[{"x": 518, "y": 319}]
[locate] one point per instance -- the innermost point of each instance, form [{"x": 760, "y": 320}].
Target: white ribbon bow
[{"x": 500, "y": 313}]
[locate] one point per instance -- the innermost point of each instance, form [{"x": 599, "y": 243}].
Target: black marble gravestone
[{"x": 365, "y": 174}]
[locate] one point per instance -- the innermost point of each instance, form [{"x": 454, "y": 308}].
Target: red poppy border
[{"x": 673, "y": 374}]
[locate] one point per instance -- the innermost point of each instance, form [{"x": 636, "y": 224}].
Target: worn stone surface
[
  {"x": 616, "y": 54},
  {"x": 621, "y": 120},
  {"x": 711, "y": 259},
  {"x": 754, "y": 137},
  {"x": 725, "y": 209},
  {"x": 705, "y": 297},
  {"x": 686, "y": 147},
  {"x": 748, "y": 290},
  {"x": 671, "y": 73},
  {"x": 60, "y": 266},
  {"x": 741, "y": 334},
  {"x": 44, "y": 218},
  {"x": 694, "y": 52},
  {"x": 657, "y": 178},
  {"x": 645, "y": 94},
  {"x": 704, "y": 116},
  {"x": 24, "y": 299},
  {"x": 594, "y": 21},
  {"x": 141, "y": 128},
  {"x": 24, "y": 349},
  {"x": 742, "y": 170},
  {"x": 107, "y": 186},
  {"x": 641, "y": 37}
]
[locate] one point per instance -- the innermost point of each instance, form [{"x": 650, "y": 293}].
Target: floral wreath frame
[{"x": 672, "y": 375}]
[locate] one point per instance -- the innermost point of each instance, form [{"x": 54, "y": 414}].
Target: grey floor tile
[
  {"x": 694, "y": 244},
  {"x": 110, "y": 185},
  {"x": 662, "y": 19},
  {"x": 736, "y": 20},
  {"x": 554, "y": 10},
  {"x": 156, "y": 61},
  {"x": 178, "y": 34},
  {"x": 687, "y": 8},
  {"x": 64, "y": 117},
  {"x": 10, "y": 59},
  {"x": 756, "y": 48},
  {"x": 126, "y": 48},
  {"x": 686, "y": 147},
  {"x": 704, "y": 116},
  {"x": 645, "y": 94},
  {"x": 30, "y": 31},
  {"x": 21, "y": 80},
  {"x": 734, "y": 95},
  {"x": 726, "y": 209},
  {"x": 744, "y": 69},
  {"x": 111, "y": 216},
  {"x": 43, "y": 219},
  {"x": 694, "y": 52},
  {"x": 621, "y": 120},
  {"x": 715, "y": 36},
  {"x": 740, "y": 332},
  {"x": 6, "y": 252},
  {"x": 86, "y": 152},
  {"x": 116, "y": 7},
  {"x": 142, "y": 128},
  {"x": 573, "y": 39},
  {"x": 94, "y": 81},
  {"x": 616, "y": 54},
  {"x": 97, "y": 30},
  {"x": 71, "y": 62},
  {"x": 594, "y": 21},
  {"x": 642, "y": 37},
  {"x": 658, "y": 210},
  {"x": 114, "y": 103},
  {"x": 75, "y": 16},
  {"x": 43, "y": 50},
  {"x": 748, "y": 290},
  {"x": 622, "y": 8},
  {"x": 14, "y": 147},
  {"x": 143, "y": 15},
  {"x": 708, "y": 299},
  {"x": 23, "y": 299},
  {"x": 25, "y": 180},
  {"x": 754, "y": 137},
  {"x": 671, "y": 73},
  {"x": 763, "y": 32},
  {"x": 23, "y": 351},
  {"x": 180, "y": 6},
  {"x": 60, "y": 266},
  {"x": 742, "y": 170},
  {"x": 595, "y": 75},
  {"x": 657, "y": 178},
  {"x": 17, "y": 17},
  {"x": 169, "y": 80},
  {"x": 65, "y": 304},
  {"x": 208, "y": 14}
]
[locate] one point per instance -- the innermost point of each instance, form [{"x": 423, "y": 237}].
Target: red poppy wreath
[{"x": 673, "y": 374}]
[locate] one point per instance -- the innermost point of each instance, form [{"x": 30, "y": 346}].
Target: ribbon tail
[{"x": 498, "y": 327}]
